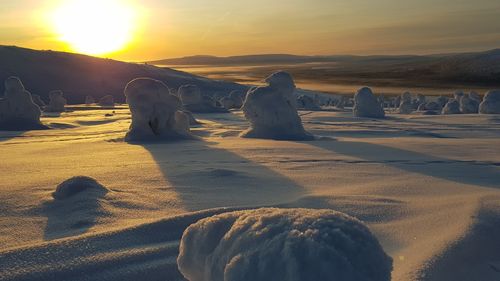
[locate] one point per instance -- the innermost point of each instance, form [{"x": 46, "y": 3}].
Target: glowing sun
[{"x": 95, "y": 27}]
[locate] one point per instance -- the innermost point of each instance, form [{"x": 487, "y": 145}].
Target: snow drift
[
  {"x": 272, "y": 110},
  {"x": 194, "y": 101},
  {"x": 156, "y": 114},
  {"x": 282, "y": 244}
]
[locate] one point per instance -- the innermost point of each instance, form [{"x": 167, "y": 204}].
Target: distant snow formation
[
  {"x": 107, "y": 101},
  {"x": 282, "y": 244},
  {"x": 491, "y": 103},
  {"x": 272, "y": 110},
  {"x": 452, "y": 107},
  {"x": 193, "y": 100},
  {"x": 17, "y": 109},
  {"x": 57, "y": 102},
  {"x": 367, "y": 105},
  {"x": 156, "y": 114}
]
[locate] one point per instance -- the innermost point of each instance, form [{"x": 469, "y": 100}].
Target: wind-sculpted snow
[
  {"x": 156, "y": 114},
  {"x": 272, "y": 110},
  {"x": 193, "y": 100},
  {"x": 452, "y": 107},
  {"x": 107, "y": 100},
  {"x": 282, "y": 244}
]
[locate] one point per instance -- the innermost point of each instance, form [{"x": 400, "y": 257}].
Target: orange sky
[{"x": 173, "y": 28}]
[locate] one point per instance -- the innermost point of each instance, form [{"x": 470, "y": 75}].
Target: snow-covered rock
[
  {"x": 491, "y": 103},
  {"x": 452, "y": 107},
  {"x": 17, "y": 109},
  {"x": 282, "y": 244},
  {"x": 367, "y": 105},
  {"x": 156, "y": 114},
  {"x": 272, "y": 110},
  {"x": 57, "y": 102}
]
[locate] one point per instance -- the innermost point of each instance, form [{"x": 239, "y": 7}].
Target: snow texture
[
  {"x": 38, "y": 101},
  {"x": 57, "y": 102},
  {"x": 156, "y": 114},
  {"x": 17, "y": 109},
  {"x": 367, "y": 105},
  {"x": 272, "y": 110},
  {"x": 491, "y": 103},
  {"x": 282, "y": 244},
  {"x": 77, "y": 185}
]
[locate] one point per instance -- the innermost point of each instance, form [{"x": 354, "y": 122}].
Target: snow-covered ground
[{"x": 427, "y": 186}]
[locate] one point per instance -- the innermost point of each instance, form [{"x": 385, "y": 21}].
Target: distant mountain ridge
[
  {"x": 80, "y": 75},
  {"x": 479, "y": 68}
]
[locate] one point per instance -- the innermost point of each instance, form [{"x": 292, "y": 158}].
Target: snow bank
[
  {"x": 282, "y": 244},
  {"x": 17, "y": 109},
  {"x": 491, "y": 103},
  {"x": 155, "y": 112},
  {"x": 108, "y": 101},
  {"x": 272, "y": 110},
  {"x": 76, "y": 185},
  {"x": 367, "y": 105},
  {"x": 57, "y": 102}
]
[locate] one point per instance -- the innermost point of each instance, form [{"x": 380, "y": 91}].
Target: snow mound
[
  {"x": 195, "y": 102},
  {"x": 491, "y": 103},
  {"x": 272, "y": 110},
  {"x": 282, "y": 244},
  {"x": 156, "y": 114},
  {"x": 75, "y": 185},
  {"x": 108, "y": 101},
  {"x": 367, "y": 105},
  {"x": 17, "y": 109},
  {"x": 57, "y": 102},
  {"x": 452, "y": 107}
]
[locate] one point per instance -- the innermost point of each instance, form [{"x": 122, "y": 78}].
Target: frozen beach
[{"x": 427, "y": 186}]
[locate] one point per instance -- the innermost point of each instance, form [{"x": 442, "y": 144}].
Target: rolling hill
[{"x": 79, "y": 75}]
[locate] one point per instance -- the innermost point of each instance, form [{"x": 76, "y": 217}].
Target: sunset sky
[{"x": 172, "y": 28}]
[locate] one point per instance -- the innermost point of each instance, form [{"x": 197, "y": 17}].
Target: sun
[{"x": 95, "y": 27}]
